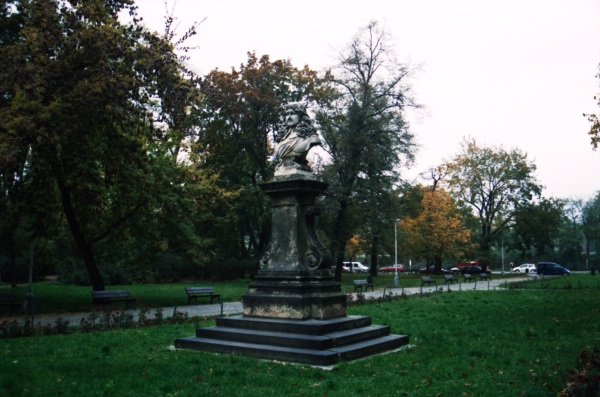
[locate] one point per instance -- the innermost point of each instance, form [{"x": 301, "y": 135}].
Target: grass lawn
[{"x": 483, "y": 343}]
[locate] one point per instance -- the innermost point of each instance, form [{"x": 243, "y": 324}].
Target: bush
[{"x": 584, "y": 381}]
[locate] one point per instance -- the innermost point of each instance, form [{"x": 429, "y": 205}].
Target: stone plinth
[{"x": 295, "y": 279}]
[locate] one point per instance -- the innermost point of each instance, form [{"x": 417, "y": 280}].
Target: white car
[
  {"x": 355, "y": 267},
  {"x": 525, "y": 268}
]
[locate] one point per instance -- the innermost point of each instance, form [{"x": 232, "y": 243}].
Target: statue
[
  {"x": 293, "y": 301},
  {"x": 293, "y": 143}
]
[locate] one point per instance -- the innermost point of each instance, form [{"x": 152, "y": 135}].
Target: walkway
[
  {"x": 212, "y": 310},
  {"x": 487, "y": 285}
]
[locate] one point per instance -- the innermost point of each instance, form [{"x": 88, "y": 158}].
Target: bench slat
[{"x": 199, "y": 290}]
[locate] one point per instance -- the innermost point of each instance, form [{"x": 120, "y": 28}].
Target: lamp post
[
  {"x": 396, "y": 280},
  {"x": 502, "y": 253}
]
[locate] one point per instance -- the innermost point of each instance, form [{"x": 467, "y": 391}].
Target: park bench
[
  {"x": 9, "y": 300},
  {"x": 426, "y": 280},
  {"x": 485, "y": 276},
  {"x": 469, "y": 277},
  {"x": 200, "y": 292},
  {"x": 366, "y": 284},
  {"x": 106, "y": 298},
  {"x": 449, "y": 279}
]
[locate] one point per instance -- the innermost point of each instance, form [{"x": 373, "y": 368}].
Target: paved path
[
  {"x": 233, "y": 308},
  {"x": 487, "y": 285},
  {"x": 211, "y": 310}
]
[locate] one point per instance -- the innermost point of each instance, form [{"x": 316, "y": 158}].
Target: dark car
[
  {"x": 431, "y": 270},
  {"x": 471, "y": 270},
  {"x": 551, "y": 269},
  {"x": 392, "y": 268}
]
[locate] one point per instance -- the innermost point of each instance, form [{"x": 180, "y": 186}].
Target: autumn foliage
[{"x": 437, "y": 231}]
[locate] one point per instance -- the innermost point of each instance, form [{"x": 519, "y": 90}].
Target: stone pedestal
[{"x": 295, "y": 279}]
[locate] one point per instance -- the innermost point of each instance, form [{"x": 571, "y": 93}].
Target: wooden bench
[
  {"x": 106, "y": 298},
  {"x": 449, "y": 279},
  {"x": 200, "y": 292},
  {"x": 366, "y": 284},
  {"x": 485, "y": 276},
  {"x": 468, "y": 277},
  {"x": 426, "y": 280},
  {"x": 9, "y": 300}
]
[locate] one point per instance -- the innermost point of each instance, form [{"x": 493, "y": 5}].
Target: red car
[{"x": 392, "y": 269}]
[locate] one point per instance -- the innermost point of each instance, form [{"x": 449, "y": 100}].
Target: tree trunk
[
  {"x": 437, "y": 263},
  {"x": 84, "y": 246},
  {"x": 12, "y": 256},
  {"x": 374, "y": 251},
  {"x": 339, "y": 240}
]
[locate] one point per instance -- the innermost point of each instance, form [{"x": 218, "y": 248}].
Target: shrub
[{"x": 584, "y": 381}]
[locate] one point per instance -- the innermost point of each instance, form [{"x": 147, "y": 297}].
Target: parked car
[
  {"x": 524, "y": 268},
  {"x": 392, "y": 269},
  {"x": 552, "y": 269},
  {"x": 471, "y": 270},
  {"x": 354, "y": 267},
  {"x": 431, "y": 270}
]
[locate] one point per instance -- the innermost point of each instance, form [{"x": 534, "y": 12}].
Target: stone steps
[{"x": 315, "y": 342}]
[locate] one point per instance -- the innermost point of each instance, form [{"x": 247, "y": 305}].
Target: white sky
[{"x": 510, "y": 73}]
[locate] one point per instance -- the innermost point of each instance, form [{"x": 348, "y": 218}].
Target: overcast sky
[{"x": 511, "y": 74}]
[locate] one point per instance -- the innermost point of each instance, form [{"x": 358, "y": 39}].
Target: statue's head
[
  {"x": 297, "y": 117},
  {"x": 294, "y": 113}
]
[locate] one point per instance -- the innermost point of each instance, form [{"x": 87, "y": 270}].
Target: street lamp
[
  {"x": 502, "y": 253},
  {"x": 396, "y": 280}
]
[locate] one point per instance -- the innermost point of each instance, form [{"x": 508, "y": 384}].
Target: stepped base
[{"x": 315, "y": 342}]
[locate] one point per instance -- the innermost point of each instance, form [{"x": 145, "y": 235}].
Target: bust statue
[{"x": 297, "y": 136}]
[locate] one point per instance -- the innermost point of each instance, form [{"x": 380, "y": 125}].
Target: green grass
[{"x": 484, "y": 343}]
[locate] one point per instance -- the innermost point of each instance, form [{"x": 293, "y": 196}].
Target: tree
[
  {"x": 590, "y": 220},
  {"x": 83, "y": 95},
  {"x": 536, "y": 225},
  {"x": 493, "y": 182},
  {"x": 437, "y": 231},
  {"x": 571, "y": 237},
  {"x": 364, "y": 131},
  {"x": 594, "y": 131}
]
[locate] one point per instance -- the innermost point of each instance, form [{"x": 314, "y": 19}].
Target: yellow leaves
[
  {"x": 438, "y": 229},
  {"x": 355, "y": 246}
]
